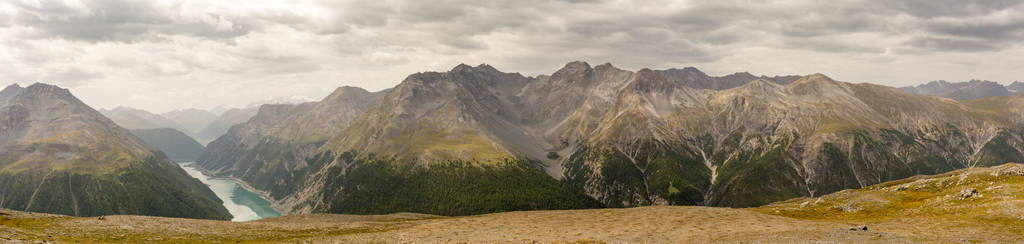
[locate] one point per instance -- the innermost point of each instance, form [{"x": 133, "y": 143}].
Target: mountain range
[
  {"x": 476, "y": 139},
  {"x": 58, "y": 155},
  {"x": 202, "y": 125},
  {"x": 973, "y": 89}
]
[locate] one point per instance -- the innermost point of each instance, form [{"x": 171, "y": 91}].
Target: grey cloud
[
  {"x": 949, "y": 8},
  {"x": 349, "y": 38},
  {"x": 133, "y": 20},
  {"x": 98, "y": 21},
  {"x": 941, "y": 44},
  {"x": 992, "y": 30},
  {"x": 69, "y": 76},
  {"x": 831, "y": 45}
]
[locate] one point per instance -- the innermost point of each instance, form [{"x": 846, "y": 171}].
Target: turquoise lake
[{"x": 243, "y": 204}]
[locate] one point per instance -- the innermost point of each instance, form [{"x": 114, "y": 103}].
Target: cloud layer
[{"x": 163, "y": 55}]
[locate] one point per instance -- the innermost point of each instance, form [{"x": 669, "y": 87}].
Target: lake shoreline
[{"x": 262, "y": 194}]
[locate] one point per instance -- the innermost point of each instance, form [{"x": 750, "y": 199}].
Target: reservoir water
[{"x": 243, "y": 204}]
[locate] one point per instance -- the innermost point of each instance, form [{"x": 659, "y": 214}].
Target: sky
[{"x": 164, "y": 55}]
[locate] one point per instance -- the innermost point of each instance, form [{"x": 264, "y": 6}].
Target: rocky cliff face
[
  {"x": 58, "y": 155},
  {"x": 622, "y": 138}
]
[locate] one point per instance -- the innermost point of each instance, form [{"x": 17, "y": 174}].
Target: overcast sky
[{"x": 164, "y": 55}]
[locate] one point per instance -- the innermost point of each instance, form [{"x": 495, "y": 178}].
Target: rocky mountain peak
[
  {"x": 577, "y": 65},
  {"x": 687, "y": 71},
  {"x": 570, "y": 69},
  {"x": 346, "y": 91},
  {"x": 605, "y": 66},
  {"x": 821, "y": 86},
  {"x": 43, "y": 88},
  {"x": 10, "y": 92},
  {"x": 816, "y": 79},
  {"x": 13, "y": 88},
  {"x": 742, "y": 75},
  {"x": 692, "y": 69},
  {"x": 651, "y": 80},
  {"x": 462, "y": 67}
]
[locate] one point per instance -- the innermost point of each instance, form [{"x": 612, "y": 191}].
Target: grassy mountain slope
[
  {"x": 58, "y": 155},
  {"x": 973, "y": 204}
]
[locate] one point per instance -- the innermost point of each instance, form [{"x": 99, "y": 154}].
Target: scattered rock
[
  {"x": 967, "y": 193},
  {"x": 102, "y": 218},
  {"x": 1010, "y": 169},
  {"x": 850, "y": 208},
  {"x": 859, "y": 228}
]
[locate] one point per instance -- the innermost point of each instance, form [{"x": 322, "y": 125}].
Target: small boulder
[
  {"x": 102, "y": 218},
  {"x": 967, "y": 193},
  {"x": 859, "y": 228}
]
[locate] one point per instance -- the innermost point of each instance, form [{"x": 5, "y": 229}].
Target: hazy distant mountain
[
  {"x": 131, "y": 118},
  {"x": 58, "y": 155},
  {"x": 193, "y": 120},
  {"x": 622, "y": 138},
  {"x": 694, "y": 78},
  {"x": 176, "y": 144},
  {"x": 203, "y": 126},
  {"x": 972, "y": 89},
  {"x": 1016, "y": 87},
  {"x": 228, "y": 118}
]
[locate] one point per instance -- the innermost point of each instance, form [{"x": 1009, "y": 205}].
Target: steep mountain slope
[
  {"x": 175, "y": 144},
  {"x": 219, "y": 126},
  {"x": 57, "y": 155},
  {"x": 622, "y": 138},
  {"x": 193, "y": 120},
  {"x": 131, "y": 118},
  {"x": 972, "y": 89},
  {"x": 270, "y": 151}
]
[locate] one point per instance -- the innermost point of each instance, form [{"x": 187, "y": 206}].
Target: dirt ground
[{"x": 661, "y": 224}]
